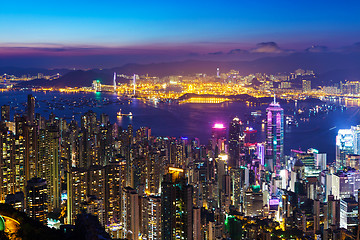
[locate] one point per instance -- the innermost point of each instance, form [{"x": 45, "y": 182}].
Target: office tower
[
  {"x": 260, "y": 152},
  {"x": 222, "y": 196},
  {"x": 5, "y": 113},
  {"x": 344, "y": 184},
  {"x": 307, "y": 159},
  {"x": 31, "y": 109},
  {"x": 218, "y": 138},
  {"x": 235, "y": 129},
  {"x": 348, "y": 213},
  {"x": 237, "y": 181},
  {"x": 250, "y": 137},
  {"x": 253, "y": 201},
  {"x": 176, "y": 206},
  {"x": 356, "y": 136},
  {"x": 320, "y": 159},
  {"x": 306, "y": 85},
  {"x": 274, "y": 135},
  {"x": 344, "y": 146},
  {"x": 36, "y": 199}
]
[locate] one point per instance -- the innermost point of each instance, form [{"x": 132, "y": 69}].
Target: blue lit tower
[{"x": 274, "y": 135}]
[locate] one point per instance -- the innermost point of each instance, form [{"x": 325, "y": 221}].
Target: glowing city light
[{"x": 219, "y": 125}]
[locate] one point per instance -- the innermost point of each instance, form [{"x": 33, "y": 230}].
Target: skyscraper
[
  {"x": 344, "y": 146},
  {"x": 49, "y": 166},
  {"x": 235, "y": 129},
  {"x": 274, "y": 135},
  {"x": 218, "y": 138},
  {"x": 5, "y": 113},
  {"x": 31, "y": 109},
  {"x": 36, "y": 199},
  {"x": 176, "y": 206},
  {"x": 130, "y": 218}
]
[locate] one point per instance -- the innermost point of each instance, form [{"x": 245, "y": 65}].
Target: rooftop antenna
[{"x": 114, "y": 81}]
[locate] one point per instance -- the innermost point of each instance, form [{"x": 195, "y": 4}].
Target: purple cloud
[{"x": 267, "y": 47}]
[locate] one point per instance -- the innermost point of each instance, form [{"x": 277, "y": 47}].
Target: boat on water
[
  {"x": 291, "y": 120},
  {"x": 256, "y": 113},
  {"x": 120, "y": 114}
]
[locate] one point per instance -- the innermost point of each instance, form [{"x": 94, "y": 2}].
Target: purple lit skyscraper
[
  {"x": 274, "y": 135},
  {"x": 218, "y": 138}
]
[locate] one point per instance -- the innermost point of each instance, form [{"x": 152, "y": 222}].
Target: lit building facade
[
  {"x": 36, "y": 199},
  {"x": 235, "y": 129},
  {"x": 344, "y": 146},
  {"x": 274, "y": 135}
]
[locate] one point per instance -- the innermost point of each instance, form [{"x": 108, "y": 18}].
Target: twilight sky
[{"x": 113, "y": 32}]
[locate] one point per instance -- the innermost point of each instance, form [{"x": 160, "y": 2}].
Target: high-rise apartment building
[
  {"x": 5, "y": 113},
  {"x": 176, "y": 206},
  {"x": 36, "y": 199}
]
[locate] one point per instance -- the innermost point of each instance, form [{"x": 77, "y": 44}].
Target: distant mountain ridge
[
  {"x": 78, "y": 78},
  {"x": 17, "y": 71},
  {"x": 330, "y": 67}
]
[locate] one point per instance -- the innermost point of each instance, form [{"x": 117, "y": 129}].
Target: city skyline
[{"x": 193, "y": 120}]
